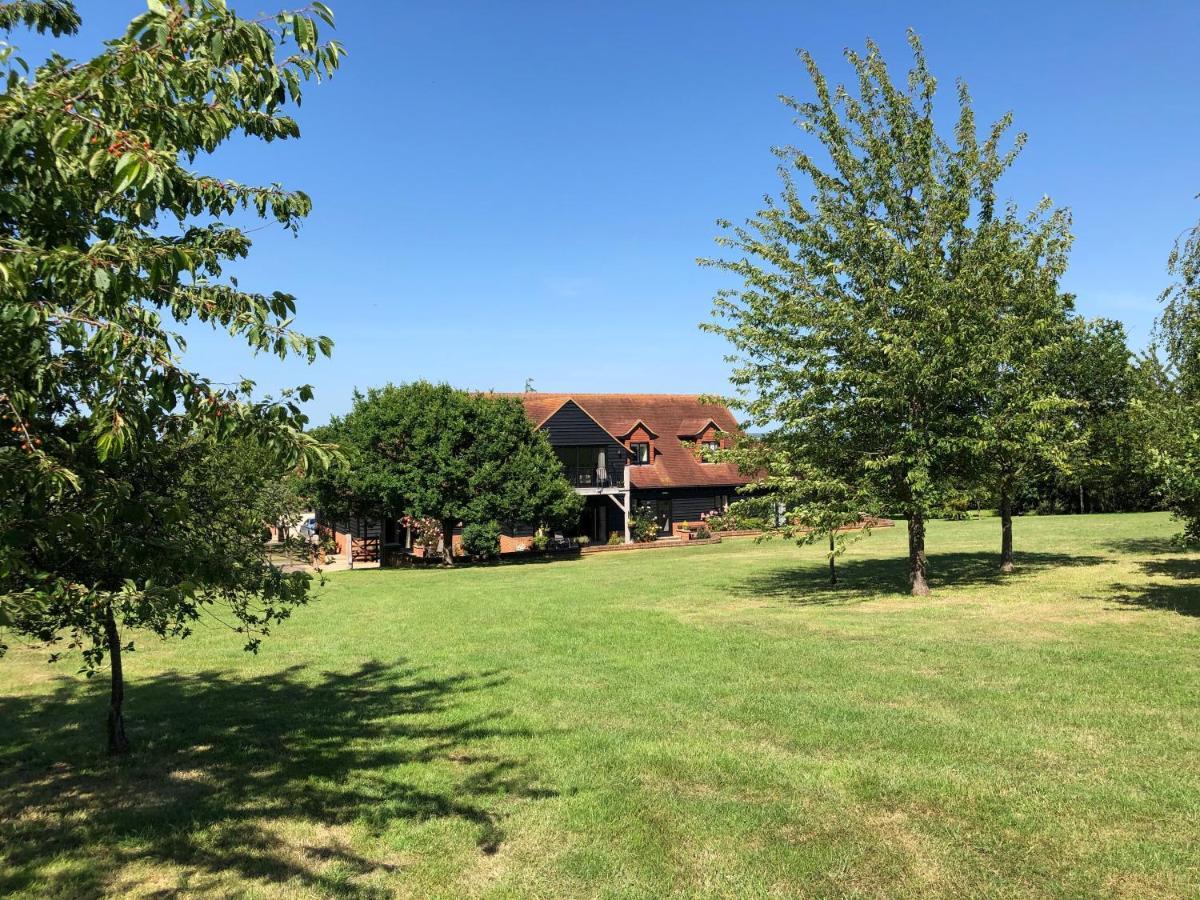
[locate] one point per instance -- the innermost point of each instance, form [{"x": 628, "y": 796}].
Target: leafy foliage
[
  {"x": 1179, "y": 326},
  {"x": 643, "y": 526},
  {"x": 1023, "y": 421},
  {"x": 171, "y": 527},
  {"x": 857, "y": 324},
  {"x": 433, "y": 451},
  {"x": 1108, "y": 463},
  {"x": 819, "y": 502},
  {"x": 1176, "y": 387},
  {"x": 108, "y": 238},
  {"x": 481, "y": 539}
]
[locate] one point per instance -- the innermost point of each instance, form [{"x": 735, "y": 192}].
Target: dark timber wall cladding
[
  {"x": 572, "y": 427},
  {"x": 687, "y": 504}
]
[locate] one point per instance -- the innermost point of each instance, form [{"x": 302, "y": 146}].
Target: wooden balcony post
[{"x": 627, "y": 502}]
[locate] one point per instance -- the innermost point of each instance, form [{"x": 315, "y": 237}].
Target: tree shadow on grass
[
  {"x": 1145, "y": 546},
  {"x": 1182, "y": 596},
  {"x": 864, "y": 579},
  {"x": 223, "y": 769}
]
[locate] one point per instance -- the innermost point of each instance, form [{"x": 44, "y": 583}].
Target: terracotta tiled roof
[
  {"x": 696, "y": 426},
  {"x": 667, "y": 415}
]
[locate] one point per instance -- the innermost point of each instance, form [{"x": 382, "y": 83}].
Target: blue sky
[{"x": 513, "y": 190}]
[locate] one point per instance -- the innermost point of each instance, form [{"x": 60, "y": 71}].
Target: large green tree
[
  {"x": 856, "y": 322},
  {"x": 433, "y": 451},
  {"x": 109, "y": 239},
  {"x": 1023, "y": 423},
  {"x": 1178, "y": 385}
]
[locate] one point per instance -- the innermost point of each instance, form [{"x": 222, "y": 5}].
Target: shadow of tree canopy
[
  {"x": 1182, "y": 597},
  {"x": 863, "y": 579},
  {"x": 223, "y": 767},
  {"x": 1147, "y": 546},
  {"x": 1179, "y": 569}
]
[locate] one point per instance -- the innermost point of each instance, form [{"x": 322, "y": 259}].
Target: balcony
[{"x": 596, "y": 479}]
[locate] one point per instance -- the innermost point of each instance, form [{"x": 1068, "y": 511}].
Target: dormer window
[
  {"x": 640, "y": 452},
  {"x": 712, "y": 446}
]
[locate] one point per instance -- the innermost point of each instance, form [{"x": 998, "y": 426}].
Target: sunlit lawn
[{"x": 701, "y": 721}]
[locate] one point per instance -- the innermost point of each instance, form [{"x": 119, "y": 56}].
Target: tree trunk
[
  {"x": 1081, "y": 498},
  {"x": 117, "y": 742},
  {"x": 916, "y": 554},
  {"x": 832, "y": 561},
  {"x": 1006, "y": 547},
  {"x": 448, "y": 541}
]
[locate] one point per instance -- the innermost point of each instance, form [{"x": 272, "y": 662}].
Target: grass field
[{"x": 709, "y": 721}]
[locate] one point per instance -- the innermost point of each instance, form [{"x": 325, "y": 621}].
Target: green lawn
[{"x": 708, "y": 721}]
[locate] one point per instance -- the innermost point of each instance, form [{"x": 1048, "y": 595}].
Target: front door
[
  {"x": 595, "y": 522},
  {"x": 662, "y": 512}
]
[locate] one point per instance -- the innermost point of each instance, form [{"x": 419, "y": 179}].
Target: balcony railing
[{"x": 596, "y": 476}]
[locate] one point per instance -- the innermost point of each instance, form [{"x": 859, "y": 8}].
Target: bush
[
  {"x": 614, "y": 538},
  {"x": 755, "y": 512},
  {"x": 956, "y": 509},
  {"x": 427, "y": 532},
  {"x": 744, "y": 515},
  {"x": 481, "y": 540},
  {"x": 540, "y": 541},
  {"x": 702, "y": 533},
  {"x": 720, "y": 521},
  {"x": 644, "y": 528},
  {"x": 583, "y": 540}
]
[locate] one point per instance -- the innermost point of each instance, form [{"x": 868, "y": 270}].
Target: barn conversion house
[
  {"x": 631, "y": 453},
  {"x": 627, "y": 454}
]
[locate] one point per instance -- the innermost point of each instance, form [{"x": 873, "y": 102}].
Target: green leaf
[
  {"x": 61, "y": 137},
  {"x": 126, "y": 173},
  {"x": 96, "y": 162},
  {"x": 305, "y": 33},
  {"x": 323, "y": 11}
]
